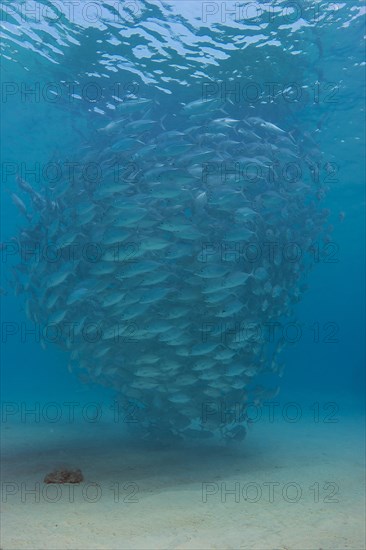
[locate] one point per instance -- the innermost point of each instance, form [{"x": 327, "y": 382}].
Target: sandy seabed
[{"x": 288, "y": 486}]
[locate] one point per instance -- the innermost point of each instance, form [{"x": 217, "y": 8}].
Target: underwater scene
[{"x": 183, "y": 268}]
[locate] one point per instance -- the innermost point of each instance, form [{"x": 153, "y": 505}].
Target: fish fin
[{"x": 161, "y": 123}]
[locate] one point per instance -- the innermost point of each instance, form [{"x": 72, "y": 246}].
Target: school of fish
[{"x": 157, "y": 273}]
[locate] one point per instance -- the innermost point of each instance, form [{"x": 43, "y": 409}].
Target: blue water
[
  {"x": 64, "y": 72},
  {"x": 114, "y": 54}
]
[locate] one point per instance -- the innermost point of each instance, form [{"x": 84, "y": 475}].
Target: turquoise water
[
  {"x": 283, "y": 70},
  {"x": 173, "y": 53}
]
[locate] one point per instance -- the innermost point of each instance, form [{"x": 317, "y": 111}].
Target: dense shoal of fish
[{"x": 149, "y": 262}]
